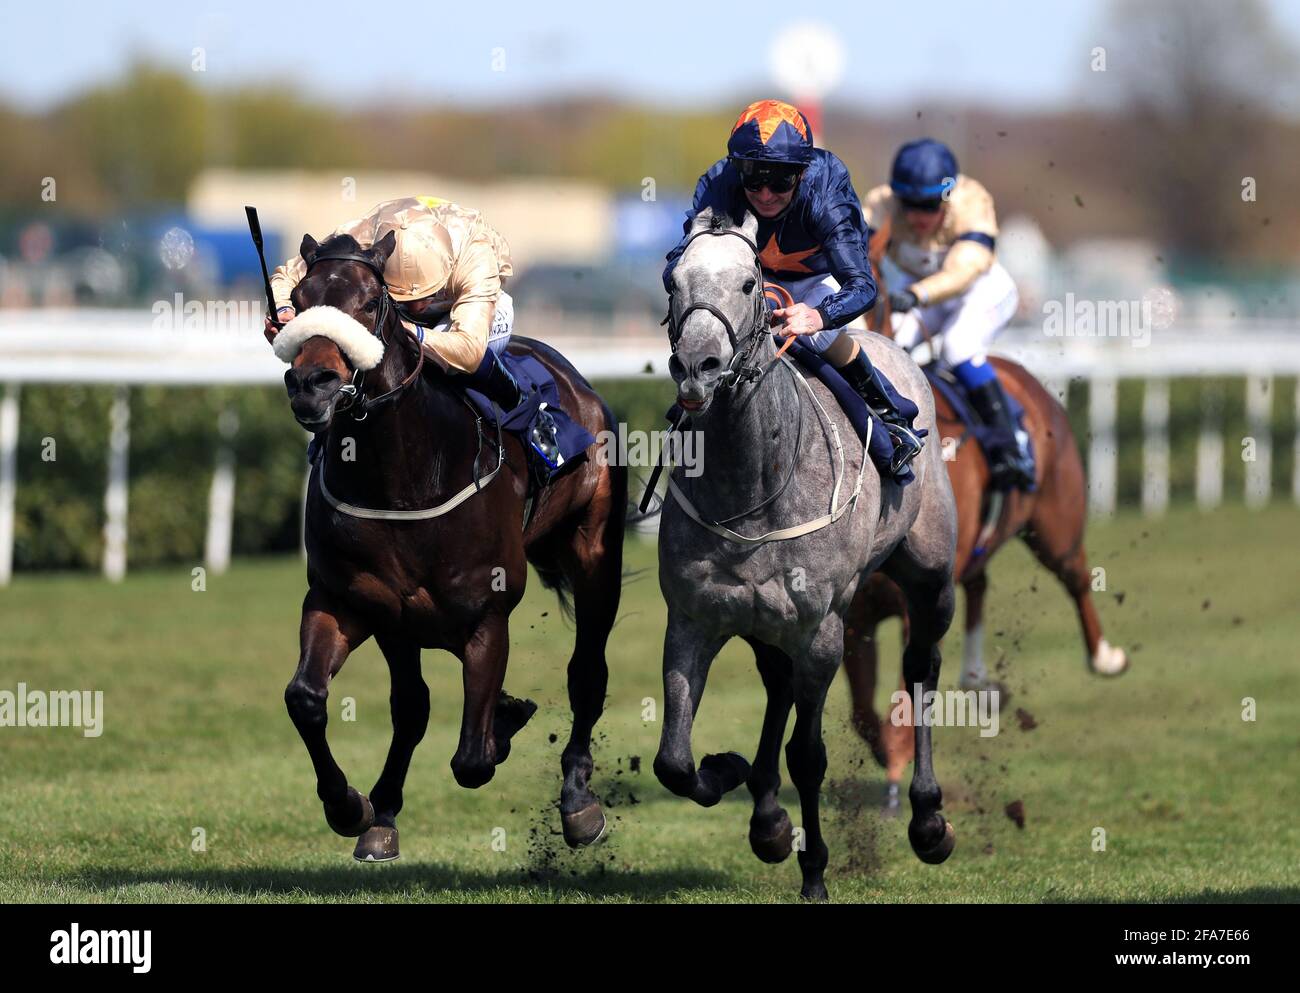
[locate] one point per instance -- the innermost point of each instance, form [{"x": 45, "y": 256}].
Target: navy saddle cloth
[
  {"x": 859, "y": 414},
  {"x": 538, "y": 387},
  {"x": 983, "y": 433}
]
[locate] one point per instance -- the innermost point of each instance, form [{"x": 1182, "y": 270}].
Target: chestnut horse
[
  {"x": 1050, "y": 520},
  {"x": 418, "y": 534}
]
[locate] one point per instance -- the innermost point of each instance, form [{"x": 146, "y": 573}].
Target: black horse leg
[
  {"x": 688, "y": 654},
  {"x": 806, "y": 752},
  {"x": 484, "y": 671},
  {"x": 327, "y": 635},
  {"x": 408, "y": 702},
  {"x": 770, "y": 830}
]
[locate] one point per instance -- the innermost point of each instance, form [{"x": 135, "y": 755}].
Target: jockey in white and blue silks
[
  {"x": 943, "y": 275},
  {"x": 812, "y": 240}
]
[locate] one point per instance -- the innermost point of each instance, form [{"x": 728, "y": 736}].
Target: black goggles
[
  {"x": 931, "y": 206},
  {"x": 777, "y": 178}
]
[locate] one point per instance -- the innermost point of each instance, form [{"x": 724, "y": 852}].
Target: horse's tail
[
  {"x": 557, "y": 581},
  {"x": 554, "y": 579}
]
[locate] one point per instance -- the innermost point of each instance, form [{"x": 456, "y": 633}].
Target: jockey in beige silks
[
  {"x": 945, "y": 280},
  {"x": 448, "y": 273}
]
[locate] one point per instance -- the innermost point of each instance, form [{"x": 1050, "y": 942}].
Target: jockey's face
[
  {"x": 769, "y": 187},
  {"x": 766, "y": 203},
  {"x": 923, "y": 223}
]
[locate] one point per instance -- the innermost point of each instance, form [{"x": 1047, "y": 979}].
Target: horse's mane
[
  {"x": 342, "y": 241},
  {"x": 721, "y": 221}
]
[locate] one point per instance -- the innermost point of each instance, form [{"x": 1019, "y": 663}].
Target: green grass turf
[{"x": 1197, "y": 804}]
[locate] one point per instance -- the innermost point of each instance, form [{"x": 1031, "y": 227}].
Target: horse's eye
[
  {"x": 749, "y": 286},
  {"x": 372, "y": 306}
]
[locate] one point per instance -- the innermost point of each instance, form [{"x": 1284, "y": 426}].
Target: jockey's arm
[
  {"x": 284, "y": 279},
  {"x": 878, "y": 206},
  {"x": 846, "y": 251},
  {"x": 289, "y": 275},
  {"x": 970, "y": 256},
  {"x": 971, "y": 253},
  {"x": 475, "y": 286}
]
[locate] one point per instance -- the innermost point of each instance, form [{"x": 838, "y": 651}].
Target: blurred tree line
[{"x": 1200, "y": 97}]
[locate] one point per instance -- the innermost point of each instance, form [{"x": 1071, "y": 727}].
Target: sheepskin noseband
[{"x": 362, "y": 348}]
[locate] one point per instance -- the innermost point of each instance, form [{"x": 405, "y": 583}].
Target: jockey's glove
[{"x": 902, "y": 301}]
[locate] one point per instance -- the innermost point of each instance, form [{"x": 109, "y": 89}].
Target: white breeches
[{"x": 968, "y": 323}]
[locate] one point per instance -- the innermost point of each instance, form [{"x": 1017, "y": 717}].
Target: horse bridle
[
  {"x": 742, "y": 349},
  {"x": 739, "y": 370},
  {"x": 355, "y": 400}
]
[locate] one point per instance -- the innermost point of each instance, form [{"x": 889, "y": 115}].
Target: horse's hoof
[
  {"x": 986, "y": 685},
  {"x": 724, "y": 770},
  {"x": 815, "y": 892},
  {"x": 510, "y": 715},
  {"x": 774, "y": 844},
  {"x": 940, "y": 851},
  {"x": 358, "y": 824},
  {"x": 379, "y": 844},
  {"x": 1109, "y": 660},
  {"x": 472, "y": 773},
  {"x": 586, "y": 827}
]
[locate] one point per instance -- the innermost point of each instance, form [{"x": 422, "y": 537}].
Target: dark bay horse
[
  {"x": 1050, "y": 520},
  {"x": 417, "y": 535}
]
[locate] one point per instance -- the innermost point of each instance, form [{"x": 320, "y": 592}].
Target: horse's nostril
[
  {"x": 711, "y": 364},
  {"x": 322, "y": 379},
  {"x": 675, "y": 368}
]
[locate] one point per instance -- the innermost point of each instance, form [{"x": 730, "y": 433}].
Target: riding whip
[{"x": 255, "y": 229}]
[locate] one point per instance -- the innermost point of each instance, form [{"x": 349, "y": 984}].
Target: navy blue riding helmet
[{"x": 923, "y": 170}]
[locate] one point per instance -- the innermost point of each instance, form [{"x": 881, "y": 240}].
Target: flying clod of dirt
[{"x": 1016, "y": 811}]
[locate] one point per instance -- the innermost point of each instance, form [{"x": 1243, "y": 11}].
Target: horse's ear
[
  {"x": 383, "y": 249},
  {"x": 749, "y": 226},
  {"x": 308, "y": 248},
  {"x": 702, "y": 220}
]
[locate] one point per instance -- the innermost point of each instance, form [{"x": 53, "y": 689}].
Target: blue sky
[{"x": 1016, "y": 54}]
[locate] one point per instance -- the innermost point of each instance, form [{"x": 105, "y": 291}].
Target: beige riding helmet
[{"x": 421, "y": 262}]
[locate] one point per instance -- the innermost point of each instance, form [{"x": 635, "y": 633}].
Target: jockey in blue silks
[{"x": 812, "y": 240}]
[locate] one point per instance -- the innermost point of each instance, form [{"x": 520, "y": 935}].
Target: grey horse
[{"x": 774, "y": 447}]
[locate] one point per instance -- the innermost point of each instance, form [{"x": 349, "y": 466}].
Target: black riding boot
[
  {"x": 496, "y": 382},
  {"x": 865, "y": 380},
  {"x": 1009, "y": 463}
]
